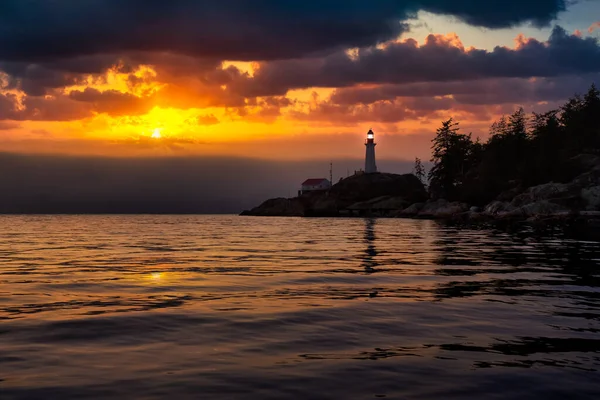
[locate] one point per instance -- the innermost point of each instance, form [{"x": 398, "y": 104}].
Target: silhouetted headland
[
  {"x": 404, "y": 196},
  {"x": 538, "y": 167},
  {"x": 358, "y": 195}
]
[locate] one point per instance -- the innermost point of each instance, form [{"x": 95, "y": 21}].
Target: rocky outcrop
[
  {"x": 542, "y": 207},
  {"x": 434, "y": 209},
  {"x": 404, "y": 196},
  {"x": 410, "y": 211},
  {"x": 380, "y": 203},
  {"x": 443, "y": 208},
  {"x": 498, "y": 207},
  {"x": 547, "y": 191},
  {"x": 365, "y": 187},
  {"x": 278, "y": 207},
  {"x": 580, "y": 194},
  {"x": 591, "y": 198},
  {"x": 364, "y": 194}
]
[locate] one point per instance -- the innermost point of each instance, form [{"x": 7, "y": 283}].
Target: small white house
[{"x": 313, "y": 185}]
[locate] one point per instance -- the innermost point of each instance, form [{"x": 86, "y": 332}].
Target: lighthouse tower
[{"x": 370, "y": 166}]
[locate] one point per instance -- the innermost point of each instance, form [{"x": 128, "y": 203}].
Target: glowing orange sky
[
  {"x": 130, "y": 107},
  {"x": 203, "y": 130}
]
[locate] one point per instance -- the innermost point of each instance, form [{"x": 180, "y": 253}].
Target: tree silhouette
[
  {"x": 419, "y": 170},
  {"x": 522, "y": 150},
  {"x": 452, "y": 157}
]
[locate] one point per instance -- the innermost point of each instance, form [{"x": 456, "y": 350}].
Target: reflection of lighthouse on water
[{"x": 369, "y": 262}]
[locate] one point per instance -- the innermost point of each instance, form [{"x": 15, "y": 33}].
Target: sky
[{"x": 278, "y": 82}]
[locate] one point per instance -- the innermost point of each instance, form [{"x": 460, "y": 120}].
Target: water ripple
[{"x": 231, "y": 307}]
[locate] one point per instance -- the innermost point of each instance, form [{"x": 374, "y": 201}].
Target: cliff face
[{"x": 356, "y": 195}]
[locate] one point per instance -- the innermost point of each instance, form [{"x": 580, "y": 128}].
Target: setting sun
[{"x": 156, "y": 134}]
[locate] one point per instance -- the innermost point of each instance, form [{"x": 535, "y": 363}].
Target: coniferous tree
[
  {"x": 419, "y": 170},
  {"x": 522, "y": 151},
  {"x": 451, "y": 157}
]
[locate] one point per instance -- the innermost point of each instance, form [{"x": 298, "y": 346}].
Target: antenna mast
[{"x": 331, "y": 173}]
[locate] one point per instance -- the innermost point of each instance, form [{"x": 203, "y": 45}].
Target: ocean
[{"x": 228, "y": 307}]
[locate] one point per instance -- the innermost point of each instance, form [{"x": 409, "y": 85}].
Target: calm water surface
[{"x": 267, "y": 308}]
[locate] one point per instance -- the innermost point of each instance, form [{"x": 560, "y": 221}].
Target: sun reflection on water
[{"x": 156, "y": 276}]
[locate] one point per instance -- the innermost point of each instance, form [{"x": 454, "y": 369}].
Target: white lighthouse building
[{"x": 370, "y": 166}]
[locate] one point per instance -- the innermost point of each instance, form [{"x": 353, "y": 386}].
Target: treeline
[{"x": 522, "y": 151}]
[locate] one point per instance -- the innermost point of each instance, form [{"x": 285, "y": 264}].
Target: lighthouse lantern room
[{"x": 370, "y": 165}]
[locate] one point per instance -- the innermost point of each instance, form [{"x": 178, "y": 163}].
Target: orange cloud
[
  {"x": 206, "y": 106},
  {"x": 521, "y": 41}
]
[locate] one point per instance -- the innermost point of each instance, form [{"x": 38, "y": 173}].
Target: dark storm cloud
[
  {"x": 35, "y": 79},
  {"x": 76, "y": 105},
  {"x": 41, "y": 30},
  {"x": 335, "y": 114},
  {"x": 484, "y": 91},
  {"x": 32, "y": 108},
  {"x": 113, "y": 102},
  {"x": 496, "y": 13},
  {"x": 480, "y": 100},
  {"x": 438, "y": 60},
  {"x": 401, "y": 109}
]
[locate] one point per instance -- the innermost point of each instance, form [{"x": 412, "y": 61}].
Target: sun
[{"x": 156, "y": 133}]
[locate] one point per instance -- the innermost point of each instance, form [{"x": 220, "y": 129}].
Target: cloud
[
  {"x": 440, "y": 59},
  {"x": 231, "y": 29},
  {"x": 423, "y": 109},
  {"x": 594, "y": 26},
  {"x": 477, "y": 92},
  {"x": 8, "y": 125},
  {"x": 330, "y": 113},
  {"x": 112, "y": 102},
  {"x": 74, "y": 106},
  {"x": 208, "y": 119},
  {"x": 497, "y": 13},
  {"x": 31, "y": 108},
  {"x": 35, "y": 79}
]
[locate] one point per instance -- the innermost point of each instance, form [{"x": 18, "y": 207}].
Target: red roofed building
[{"x": 313, "y": 185}]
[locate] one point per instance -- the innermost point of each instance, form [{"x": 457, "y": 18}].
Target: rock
[
  {"x": 391, "y": 203},
  {"x": 380, "y": 203},
  {"x": 543, "y": 207},
  {"x": 505, "y": 210},
  {"x": 590, "y": 214},
  {"x": 591, "y": 197},
  {"x": 497, "y": 207},
  {"x": 586, "y": 162},
  {"x": 589, "y": 178},
  {"x": 476, "y": 217},
  {"x": 412, "y": 210},
  {"x": 510, "y": 194},
  {"x": 365, "y": 187},
  {"x": 322, "y": 206},
  {"x": 442, "y": 208},
  {"x": 541, "y": 192},
  {"x": 278, "y": 207}
]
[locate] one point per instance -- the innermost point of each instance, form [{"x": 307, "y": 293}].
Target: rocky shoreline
[{"x": 403, "y": 196}]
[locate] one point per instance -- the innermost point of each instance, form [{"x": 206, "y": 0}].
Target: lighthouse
[{"x": 370, "y": 166}]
